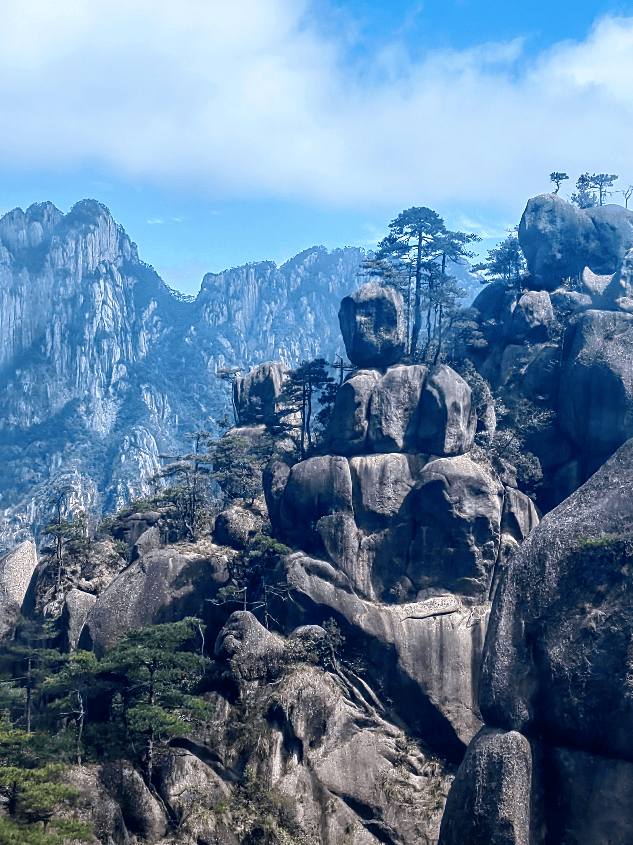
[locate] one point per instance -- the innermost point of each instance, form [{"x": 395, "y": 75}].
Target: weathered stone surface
[
  {"x": 489, "y": 800},
  {"x": 567, "y": 302},
  {"x": 142, "y": 812},
  {"x": 191, "y": 789},
  {"x": 596, "y": 384},
  {"x": 372, "y": 325},
  {"x": 529, "y": 371},
  {"x": 16, "y": 570},
  {"x": 347, "y": 432},
  {"x": 426, "y": 653},
  {"x": 236, "y": 527},
  {"x": 560, "y": 240},
  {"x": 394, "y": 412},
  {"x": 558, "y": 658},
  {"x": 316, "y": 511},
  {"x": 132, "y": 527},
  {"x": 382, "y": 486},
  {"x": 77, "y": 605},
  {"x": 459, "y": 508},
  {"x": 149, "y": 541},
  {"x": 256, "y": 394},
  {"x": 618, "y": 295},
  {"x": 614, "y": 234},
  {"x": 252, "y": 651},
  {"x": 531, "y": 320},
  {"x": 96, "y": 806},
  {"x": 274, "y": 480},
  {"x": 593, "y": 802},
  {"x": 556, "y": 238},
  {"x": 163, "y": 586},
  {"x": 448, "y": 420}
]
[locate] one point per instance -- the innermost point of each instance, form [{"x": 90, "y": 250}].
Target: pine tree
[{"x": 150, "y": 678}]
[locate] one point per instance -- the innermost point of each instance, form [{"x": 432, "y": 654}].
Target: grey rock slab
[
  {"x": 614, "y": 232},
  {"x": 448, "y": 419},
  {"x": 164, "y": 586},
  {"x": 372, "y": 325},
  {"x": 394, "y": 411},
  {"x": 557, "y": 661},
  {"x": 595, "y": 405},
  {"x": 77, "y": 605},
  {"x": 257, "y": 393},
  {"x": 490, "y": 799},
  {"x": 252, "y": 651},
  {"x": 149, "y": 541},
  {"x": 532, "y": 318},
  {"x": 459, "y": 508},
  {"x": 236, "y": 527},
  {"x": 16, "y": 571},
  {"x": 426, "y": 653},
  {"x": 347, "y": 431},
  {"x": 316, "y": 511},
  {"x": 143, "y": 814}
]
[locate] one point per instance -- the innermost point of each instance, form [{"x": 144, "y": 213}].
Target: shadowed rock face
[
  {"x": 557, "y": 671},
  {"x": 372, "y": 325},
  {"x": 557, "y": 660},
  {"x": 596, "y": 384},
  {"x": 489, "y": 801}
]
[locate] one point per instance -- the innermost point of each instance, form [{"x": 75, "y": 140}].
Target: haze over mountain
[{"x": 104, "y": 367}]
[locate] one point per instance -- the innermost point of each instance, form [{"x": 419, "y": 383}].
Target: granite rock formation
[
  {"x": 555, "y": 683},
  {"x": 103, "y": 367}
]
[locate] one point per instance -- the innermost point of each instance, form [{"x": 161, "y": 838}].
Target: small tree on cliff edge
[{"x": 557, "y": 178}]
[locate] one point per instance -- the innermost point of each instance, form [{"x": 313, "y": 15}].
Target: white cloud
[{"x": 252, "y": 98}]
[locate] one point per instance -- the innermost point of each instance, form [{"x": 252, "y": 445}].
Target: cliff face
[{"x": 103, "y": 367}]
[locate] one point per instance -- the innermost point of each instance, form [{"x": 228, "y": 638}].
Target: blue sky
[{"x": 219, "y": 133}]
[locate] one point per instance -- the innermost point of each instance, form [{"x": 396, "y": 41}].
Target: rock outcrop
[
  {"x": 555, "y": 683},
  {"x": 104, "y": 368},
  {"x": 372, "y": 325}
]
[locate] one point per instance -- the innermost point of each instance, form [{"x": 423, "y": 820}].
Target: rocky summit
[
  {"x": 409, "y": 624},
  {"x": 103, "y": 367}
]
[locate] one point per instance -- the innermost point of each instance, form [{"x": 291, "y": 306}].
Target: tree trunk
[{"x": 417, "y": 305}]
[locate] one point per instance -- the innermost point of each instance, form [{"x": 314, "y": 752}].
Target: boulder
[
  {"x": 618, "y": 294},
  {"x": 77, "y": 605},
  {"x": 142, "y": 813},
  {"x": 558, "y": 660},
  {"x": 567, "y": 302},
  {"x": 458, "y": 509},
  {"x": 394, "y": 412},
  {"x": 149, "y": 541},
  {"x": 614, "y": 235},
  {"x": 347, "y": 431},
  {"x": 372, "y": 325},
  {"x": 382, "y": 486},
  {"x": 495, "y": 301},
  {"x": 316, "y": 511},
  {"x": 236, "y": 527},
  {"x": 593, "y": 284},
  {"x": 274, "y": 480},
  {"x": 490, "y": 799},
  {"x": 256, "y": 394},
  {"x": 164, "y": 586},
  {"x": 190, "y": 789},
  {"x": 16, "y": 570},
  {"x": 557, "y": 239},
  {"x": 531, "y": 320},
  {"x": 252, "y": 652},
  {"x": 448, "y": 420},
  {"x": 595, "y": 404}
]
